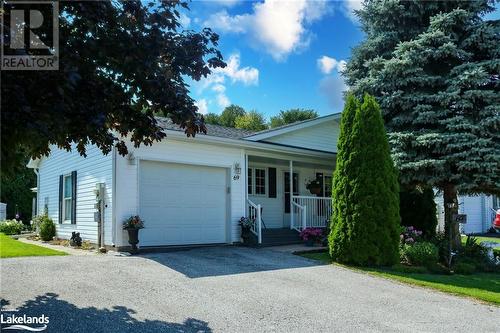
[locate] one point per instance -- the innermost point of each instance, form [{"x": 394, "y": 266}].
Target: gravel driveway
[{"x": 226, "y": 289}]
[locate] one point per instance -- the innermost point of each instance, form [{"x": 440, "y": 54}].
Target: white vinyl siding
[
  {"x": 319, "y": 137},
  {"x": 95, "y": 168},
  {"x": 188, "y": 152}
]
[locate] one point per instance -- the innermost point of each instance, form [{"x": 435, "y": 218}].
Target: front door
[{"x": 286, "y": 187}]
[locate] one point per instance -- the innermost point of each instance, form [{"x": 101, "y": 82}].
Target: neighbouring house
[
  {"x": 194, "y": 190},
  {"x": 479, "y": 210}
]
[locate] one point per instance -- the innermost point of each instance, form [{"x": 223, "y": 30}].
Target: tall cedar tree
[
  {"x": 121, "y": 62},
  {"x": 434, "y": 68},
  {"x": 365, "y": 222}
]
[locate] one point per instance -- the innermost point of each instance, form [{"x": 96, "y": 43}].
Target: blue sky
[{"x": 280, "y": 54}]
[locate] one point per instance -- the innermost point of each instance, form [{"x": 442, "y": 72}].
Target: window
[
  {"x": 260, "y": 181},
  {"x": 257, "y": 181},
  {"x": 250, "y": 181},
  {"x": 326, "y": 184},
  {"x": 67, "y": 198}
]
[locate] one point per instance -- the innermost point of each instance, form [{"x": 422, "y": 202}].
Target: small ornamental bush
[
  {"x": 464, "y": 268},
  {"x": 421, "y": 254},
  {"x": 47, "y": 229},
  {"x": 11, "y": 227}
]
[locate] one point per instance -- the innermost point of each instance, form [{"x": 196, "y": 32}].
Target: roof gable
[{"x": 266, "y": 134}]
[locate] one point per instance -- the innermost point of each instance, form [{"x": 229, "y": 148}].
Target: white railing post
[
  {"x": 259, "y": 225},
  {"x": 304, "y": 217},
  {"x": 291, "y": 212}
]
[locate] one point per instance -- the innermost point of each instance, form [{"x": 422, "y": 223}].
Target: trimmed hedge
[{"x": 365, "y": 221}]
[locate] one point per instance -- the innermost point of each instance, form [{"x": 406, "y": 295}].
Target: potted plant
[
  {"x": 314, "y": 186},
  {"x": 132, "y": 225},
  {"x": 311, "y": 236},
  {"x": 246, "y": 225}
]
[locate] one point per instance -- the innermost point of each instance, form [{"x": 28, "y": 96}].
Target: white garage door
[{"x": 182, "y": 204}]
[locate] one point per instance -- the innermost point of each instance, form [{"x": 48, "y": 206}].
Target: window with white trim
[
  {"x": 260, "y": 181},
  {"x": 257, "y": 181},
  {"x": 67, "y": 198}
]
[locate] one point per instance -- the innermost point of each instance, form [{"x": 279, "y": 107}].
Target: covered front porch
[{"x": 286, "y": 194}]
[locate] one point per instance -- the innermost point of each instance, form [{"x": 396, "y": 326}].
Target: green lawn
[
  {"x": 10, "y": 248},
  {"x": 482, "y": 239},
  {"x": 482, "y": 286}
]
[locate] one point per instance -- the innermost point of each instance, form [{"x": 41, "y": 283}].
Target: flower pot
[
  {"x": 133, "y": 239},
  {"x": 315, "y": 190},
  {"x": 246, "y": 235}
]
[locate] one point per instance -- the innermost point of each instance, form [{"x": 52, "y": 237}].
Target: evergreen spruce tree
[
  {"x": 365, "y": 221},
  {"x": 438, "y": 85}
]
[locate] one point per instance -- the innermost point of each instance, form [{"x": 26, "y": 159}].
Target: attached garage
[{"x": 182, "y": 204}]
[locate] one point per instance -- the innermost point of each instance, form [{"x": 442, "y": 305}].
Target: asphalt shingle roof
[{"x": 212, "y": 130}]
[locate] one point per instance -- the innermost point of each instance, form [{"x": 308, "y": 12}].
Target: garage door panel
[{"x": 182, "y": 204}]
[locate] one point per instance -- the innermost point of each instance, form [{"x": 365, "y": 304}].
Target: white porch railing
[
  {"x": 310, "y": 212},
  {"x": 254, "y": 213}
]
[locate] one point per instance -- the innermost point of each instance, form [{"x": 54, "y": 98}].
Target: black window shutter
[
  {"x": 272, "y": 182},
  {"x": 61, "y": 180},
  {"x": 73, "y": 197}
]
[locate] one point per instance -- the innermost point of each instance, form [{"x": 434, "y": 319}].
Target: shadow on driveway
[
  {"x": 66, "y": 317},
  {"x": 228, "y": 260}
]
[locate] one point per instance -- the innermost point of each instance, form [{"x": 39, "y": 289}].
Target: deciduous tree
[{"x": 121, "y": 62}]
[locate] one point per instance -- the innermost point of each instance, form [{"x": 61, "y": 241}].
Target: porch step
[{"x": 281, "y": 236}]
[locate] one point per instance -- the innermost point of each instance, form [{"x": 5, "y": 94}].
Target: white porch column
[
  {"x": 291, "y": 193},
  {"x": 245, "y": 174}
]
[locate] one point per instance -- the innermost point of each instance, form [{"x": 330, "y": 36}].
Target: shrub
[
  {"x": 464, "y": 268},
  {"x": 473, "y": 250},
  {"x": 410, "y": 235},
  {"x": 442, "y": 243},
  {"x": 47, "y": 228},
  {"x": 11, "y": 227},
  {"x": 423, "y": 253},
  {"x": 409, "y": 269},
  {"x": 365, "y": 219},
  {"x": 418, "y": 209}
]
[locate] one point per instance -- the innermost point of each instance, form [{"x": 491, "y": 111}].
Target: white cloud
[
  {"x": 223, "y": 100},
  {"x": 349, "y": 6},
  {"x": 246, "y": 75},
  {"x": 327, "y": 64},
  {"x": 332, "y": 87},
  {"x": 225, "y": 3},
  {"x": 277, "y": 27},
  {"x": 202, "y": 106},
  {"x": 234, "y": 73}
]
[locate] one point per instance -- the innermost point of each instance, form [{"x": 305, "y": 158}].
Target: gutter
[{"x": 181, "y": 136}]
